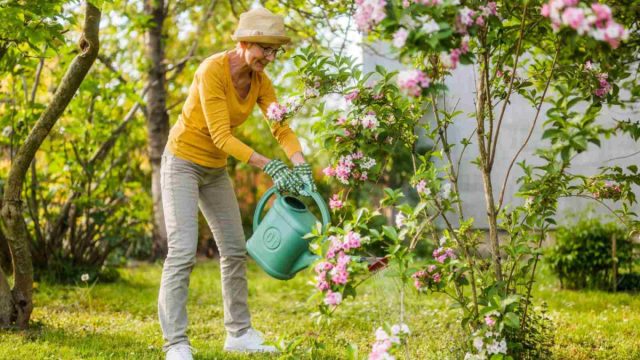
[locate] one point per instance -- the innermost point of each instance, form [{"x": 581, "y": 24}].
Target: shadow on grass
[{"x": 42, "y": 341}]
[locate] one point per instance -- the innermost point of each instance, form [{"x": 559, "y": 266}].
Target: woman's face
[{"x": 256, "y": 57}]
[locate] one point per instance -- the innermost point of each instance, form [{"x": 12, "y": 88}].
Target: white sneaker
[
  {"x": 251, "y": 341},
  {"x": 179, "y": 352}
]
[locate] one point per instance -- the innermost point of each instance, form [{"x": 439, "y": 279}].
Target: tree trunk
[
  {"x": 12, "y": 212},
  {"x": 157, "y": 118},
  {"x": 485, "y": 168}
]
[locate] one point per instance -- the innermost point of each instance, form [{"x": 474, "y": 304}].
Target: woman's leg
[
  {"x": 219, "y": 205},
  {"x": 179, "y": 182}
]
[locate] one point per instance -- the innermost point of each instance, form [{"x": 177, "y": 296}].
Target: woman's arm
[{"x": 260, "y": 161}]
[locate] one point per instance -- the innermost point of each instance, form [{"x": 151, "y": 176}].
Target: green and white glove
[
  {"x": 304, "y": 172},
  {"x": 283, "y": 178}
]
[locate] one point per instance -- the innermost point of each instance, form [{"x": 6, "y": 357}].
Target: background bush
[{"x": 581, "y": 257}]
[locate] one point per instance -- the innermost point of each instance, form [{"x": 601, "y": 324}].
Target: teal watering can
[{"x": 277, "y": 244}]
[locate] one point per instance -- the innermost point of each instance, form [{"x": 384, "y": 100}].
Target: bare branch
[
  {"x": 492, "y": 151},
  {"x": 533, "y": 125}
]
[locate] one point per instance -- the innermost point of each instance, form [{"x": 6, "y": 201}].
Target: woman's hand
[
  {"x": 306, "y": 174},
  {"x": 283, "y": 178}
]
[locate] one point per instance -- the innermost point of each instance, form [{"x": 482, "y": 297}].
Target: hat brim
[{"x": 264, "y": 39}]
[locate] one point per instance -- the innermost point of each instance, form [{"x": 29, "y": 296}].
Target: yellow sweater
[{"x": 214, "y": 108}]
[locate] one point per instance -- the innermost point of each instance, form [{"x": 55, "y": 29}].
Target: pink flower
[
  {"x": 369, "y": 122},
  {"x": 343, "y": 259},
  {"x": 574, "y": 18},
  {"x": 489, "y": 321},
  {"x": 340, "y": 278},
  {"x": 588, "y": 65},
  {"x": 369, "y": 13},
  {"x": 605, "y": 87},
  {"x": 431, "y": 268},
  {"x": 400, "y": 37},
  {"x": 333, "y": 298},
  {"x": 490, "y": 10},
  {"x": 603, "y": 12},
  {"x": 276, "y": 112},
  {"x": 449, "y": 252},
  {"x": 323, "y": 266},
  {"x": 441, "y": 254},
  {"x": 352, "y": 240},
  {"x": 466, "y": 16},
  {"x": 341, "y": 120},
  {"x": 329, "y": 171},
  {"x": 614, "y": 33},
  {"x": 352, "y": 95},
  {"x": 323, "y": 285},
  {"x": 417, "y": 284},
  {"x": 335, "y": 203},
  {"x": 413, "y": 81},
  {"x": 421, "y": 187},
  {"x": 546, "y": 10},
  {"x": 436, "y": 278}
]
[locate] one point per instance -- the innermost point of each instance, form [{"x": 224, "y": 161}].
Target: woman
[{"x": 224, "y": 91}]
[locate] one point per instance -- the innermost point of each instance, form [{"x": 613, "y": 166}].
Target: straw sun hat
[{"x": 262, "y": 26}]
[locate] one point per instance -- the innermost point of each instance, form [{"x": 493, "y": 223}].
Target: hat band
[{"x": 245, "y": 32}]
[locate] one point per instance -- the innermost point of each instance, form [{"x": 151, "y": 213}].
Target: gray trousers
[{"x": 185, "y": 187}]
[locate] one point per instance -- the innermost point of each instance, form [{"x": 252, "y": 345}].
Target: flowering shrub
[
  {"x": 373, "y": 146},
  {"x": 596, "y": 21}
]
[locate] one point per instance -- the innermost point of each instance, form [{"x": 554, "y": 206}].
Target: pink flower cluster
[
  {"x": 490, "y": 321},
  {"x": 451, "y": 60},
  {"x": 608, "y": 191},
  {"x": 276, "y": 112},
  {"x": 413, "y": 81},
  {"x": 352, "y": 95},
  {"x": 423, "y": 278},
  {"x": 400, "y": 37},
  {"x": 467, "y": 17},
  {"x": 335, "y": 203},
  {"x": 352, "y": 166},
  {"x": 369, "y": 121},
  {"x": 421, "y": 188},
  {"x": 334, "y": 270},
  {"x": 369, "y": 13},
  {"x": 596, "y": 21},
  {"x": 441, "y": 254},
  {"x": 604, "y": 86}
]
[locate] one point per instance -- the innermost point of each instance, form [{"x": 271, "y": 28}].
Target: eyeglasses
[{"x": 268, "y": 51}]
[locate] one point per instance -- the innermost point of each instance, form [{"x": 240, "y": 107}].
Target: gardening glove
[
  {"x": 283, "y": 178},
  {"x": 304, "y": 172}
]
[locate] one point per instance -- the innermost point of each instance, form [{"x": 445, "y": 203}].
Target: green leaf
[{"x": 511, "y": 320}]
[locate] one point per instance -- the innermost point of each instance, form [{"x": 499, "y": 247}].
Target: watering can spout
[{"x": 304, "y": 260}]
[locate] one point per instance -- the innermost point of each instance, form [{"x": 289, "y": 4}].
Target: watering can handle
[{"x": 322, "y": 205}]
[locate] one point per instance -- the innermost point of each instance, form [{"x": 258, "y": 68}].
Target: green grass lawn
[{"x": 118, "y": 321}]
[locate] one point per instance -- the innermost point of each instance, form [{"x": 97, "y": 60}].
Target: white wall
[{"x": 518, "y": 118}]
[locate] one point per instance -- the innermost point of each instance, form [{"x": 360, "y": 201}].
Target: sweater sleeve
[
  {"x": 280, "y": 130},
  {"x": 216, "y": 114}
]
